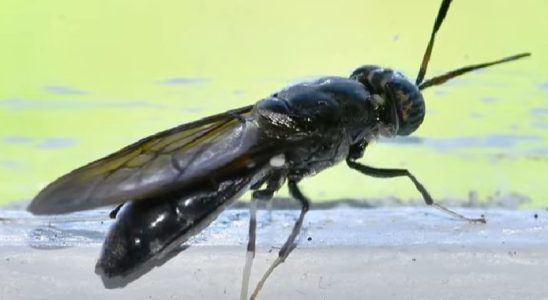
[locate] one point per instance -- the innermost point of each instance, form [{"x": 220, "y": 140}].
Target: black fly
[{"x": 173, "y": 184}]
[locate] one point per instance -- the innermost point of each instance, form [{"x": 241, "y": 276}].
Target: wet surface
[{"x": 377, "y": 227}]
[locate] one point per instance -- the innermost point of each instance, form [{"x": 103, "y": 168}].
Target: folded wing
[{"x": 168, "y": 161}]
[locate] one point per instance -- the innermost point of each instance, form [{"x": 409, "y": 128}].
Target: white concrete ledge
[{"x": 346, "y": 253}]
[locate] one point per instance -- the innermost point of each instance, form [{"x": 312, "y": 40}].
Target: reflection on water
[
  {"x": 52, "y": 143},
  {"x": 64, "y": 90},
  {"x": 448, "y": 144},
  {"x": 184, "y": 81},
  {"x": 489, "y": 99},
  {"x": 45, "y": 143},
  {"x": 13, "y": 165},
  {"x": 17, "y": 140},
  {"x": 539, "y": 111},
  {"x": 24, "y": 104},
  {"x": 496, "y": 141},
  {"x": 542, "y": 125}
]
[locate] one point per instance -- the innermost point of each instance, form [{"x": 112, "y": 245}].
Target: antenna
[
  {"x": 451, "y": 74},
  {"x": 439, "y": 20}
]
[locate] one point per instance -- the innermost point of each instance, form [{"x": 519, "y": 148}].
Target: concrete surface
[{"x": 344, "y": 253}]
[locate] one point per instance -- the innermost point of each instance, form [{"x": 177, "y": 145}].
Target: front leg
[{"x": 390, "y": 173}]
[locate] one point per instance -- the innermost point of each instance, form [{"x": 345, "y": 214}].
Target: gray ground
[{"x": 343, "y": 253}]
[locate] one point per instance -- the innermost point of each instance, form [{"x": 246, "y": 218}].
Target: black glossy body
[
  {"x": 318, "y": 122},
  {"x": 148, "y": 230},
  {"x": 176, "y": 182},
  {"x": 313, "y": 125}
]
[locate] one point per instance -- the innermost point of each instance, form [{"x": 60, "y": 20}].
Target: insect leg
[
  {"x": 250, "y": 254},
  {"x": 290, "y": 244},
  {"x": 275, "y": 181},
  {"x": 115, "y": 211},
  {"x": 389, "y": 173},
  {"x": 269, "y": 210}
]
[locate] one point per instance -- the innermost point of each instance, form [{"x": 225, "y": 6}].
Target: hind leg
[
  {"x": 290, "y": 243},
  {"x": 274, "y": 182}
]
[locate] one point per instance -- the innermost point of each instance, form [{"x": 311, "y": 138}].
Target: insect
[{"x": 171, "y": 185}]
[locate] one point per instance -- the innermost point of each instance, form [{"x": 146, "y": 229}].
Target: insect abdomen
[{"x": 147, "y": 232}]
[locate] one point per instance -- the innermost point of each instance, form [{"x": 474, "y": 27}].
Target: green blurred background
[{"x": 79, "y": 80}]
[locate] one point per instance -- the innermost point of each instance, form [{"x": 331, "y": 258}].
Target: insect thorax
[{"x": 393, "y": 87}]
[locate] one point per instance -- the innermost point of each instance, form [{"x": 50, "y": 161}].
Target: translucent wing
[{"x": 169, "y": 161}]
